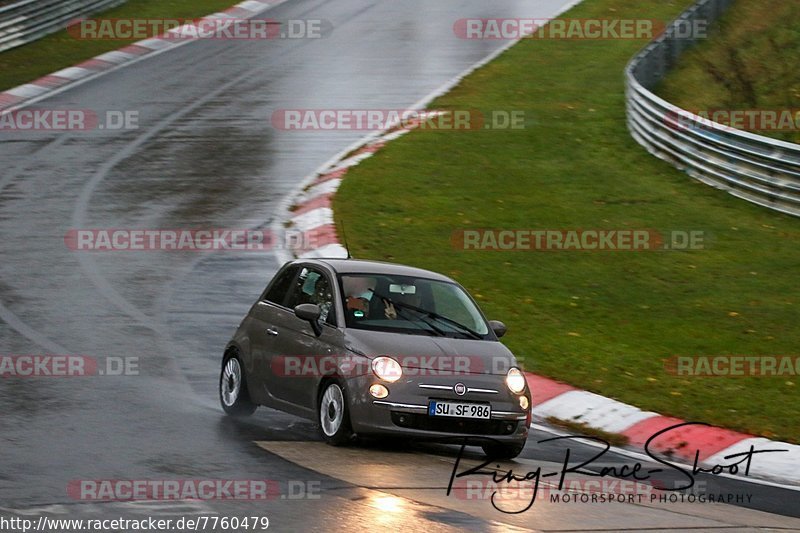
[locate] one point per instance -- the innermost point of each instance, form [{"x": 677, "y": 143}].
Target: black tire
[
  {"x": 333, "y": 416},
  {"x": 496, "y": 450},
  {"x": 233, "y": 394}
]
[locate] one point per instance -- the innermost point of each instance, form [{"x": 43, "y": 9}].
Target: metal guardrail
[
  {"x": 28, "y": 20},
  {"x": 753, "y": 167}
]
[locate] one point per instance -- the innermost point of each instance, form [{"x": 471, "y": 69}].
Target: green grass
[
  {"x": 60, "y": 50},
  {"x": 751, "y": 63},
  {"x": 603, "y": 321}
]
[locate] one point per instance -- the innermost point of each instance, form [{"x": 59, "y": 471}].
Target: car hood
[{"x": 442, "y": 354}]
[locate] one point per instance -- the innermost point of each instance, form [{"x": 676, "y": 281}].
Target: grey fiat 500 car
[{"x": 372, "y": 348}]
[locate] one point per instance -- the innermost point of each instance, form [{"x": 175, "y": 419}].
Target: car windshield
[{"x": 405, "y": 304}]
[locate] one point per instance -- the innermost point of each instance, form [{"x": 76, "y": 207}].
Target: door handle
[{"x": 272, "y": 331}]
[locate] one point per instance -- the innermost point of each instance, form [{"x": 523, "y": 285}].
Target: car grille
[{"x": 454, "y": 425}]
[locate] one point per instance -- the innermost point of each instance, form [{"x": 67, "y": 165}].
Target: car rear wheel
[
  {"x": 333, "y": 415},
  {"x": 497, "y": 450},
  {"x": 233, "y": 394}
]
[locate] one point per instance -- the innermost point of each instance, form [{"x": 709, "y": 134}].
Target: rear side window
[
  {"x": 282, "y": 284},
  {"x": 312, "y": 287}
]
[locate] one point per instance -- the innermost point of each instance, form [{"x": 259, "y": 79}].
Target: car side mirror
[
  {"x": 498, "y": 327},
  {"x": 311, "y": 313}
]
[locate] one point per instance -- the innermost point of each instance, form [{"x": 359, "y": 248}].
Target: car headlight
[
  {"x": 515, "y": 380},
  {"x": 387, "y": 369}
]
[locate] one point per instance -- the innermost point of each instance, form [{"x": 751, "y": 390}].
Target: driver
[
  {"x": 359, "y": 297},
  {"x": 358, "y": 293}
]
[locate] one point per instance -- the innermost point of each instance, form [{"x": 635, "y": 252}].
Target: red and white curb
[
  {"x": 555, "y": 399},
  {"x": 57, "y": 81},
  {"x": 312, "y": 214}
]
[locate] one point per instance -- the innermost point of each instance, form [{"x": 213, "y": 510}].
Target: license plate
[{"x": 459, "y": 409}]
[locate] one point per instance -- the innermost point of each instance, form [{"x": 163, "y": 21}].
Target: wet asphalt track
[{"x": 204, "y": 156}]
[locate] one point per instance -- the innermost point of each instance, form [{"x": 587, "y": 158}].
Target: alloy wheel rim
[
  {"x": 231, "y": 382},
  {"x": 331, "y": 411}
]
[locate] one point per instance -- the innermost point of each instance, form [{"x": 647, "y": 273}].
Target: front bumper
[{"x": 405, "y": 410}]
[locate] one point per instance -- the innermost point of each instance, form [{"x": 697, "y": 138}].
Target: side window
[
  {"x": 312, "y": 287},
  {"x": 277, "y": 292}
]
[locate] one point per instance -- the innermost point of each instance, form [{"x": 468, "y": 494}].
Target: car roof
[{"x": 361, "y": 266}]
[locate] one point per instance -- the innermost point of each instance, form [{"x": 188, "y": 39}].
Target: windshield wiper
[
  {"x": 459, "y": 325},
  {"x": 464, "y": 329}
]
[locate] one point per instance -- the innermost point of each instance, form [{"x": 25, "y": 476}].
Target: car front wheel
[
  {"x": 233, "y": 394},
  {"x": 333, "y": 415}
]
